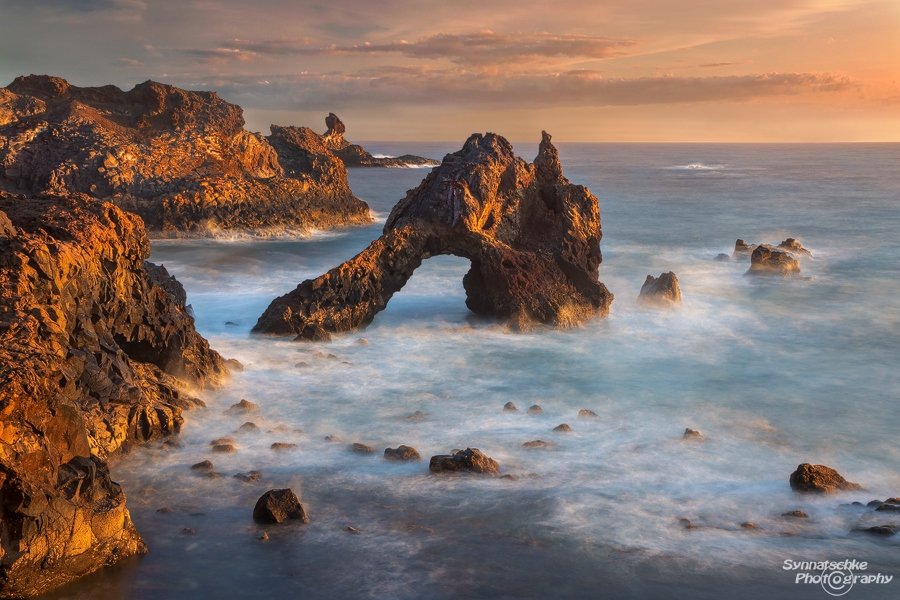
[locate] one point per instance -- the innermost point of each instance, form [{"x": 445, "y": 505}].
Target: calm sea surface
[{"x": 773, "y": 373}]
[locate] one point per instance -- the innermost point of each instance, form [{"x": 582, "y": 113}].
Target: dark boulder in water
[
  {"x": 691, "y": 434},
  {"x": 470, "y": 460},
  {"x": 510, "y": 407},
  {"x": 283, "y": 447},
  {"x": 587, "y": 414},
  {"x": 243, "y": 407},
  {"x": 534, "y": 409},
  {"x": 276, "y": 506},
  {"x": 765, "y": 261},
  {"x": 205, "y": 466},
  {"x": 402, "y": 454},
  {"x": 224, "y": 449},
  {"x": 882, "y": 530},
  {"x": 795, "y": 514},
  {"x": 564, "y": 428},
  {"x": 819, "y": 479},
  {"x": 248, "y": 477},
  {"x": 532, "y": 237},
  {"x": 362, "y": 448},
  {"x": 537, "y": 444},
  {"x": 660, "y": 291},
  {"x": 743, "y": 250}
]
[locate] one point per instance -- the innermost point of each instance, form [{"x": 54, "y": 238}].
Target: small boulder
[
  {"x": 248, "y": 477},
  {"x": 687, "y": 524},
  {"x": 874, "y": 503},
  {"x": 164, "y": 510},
  {"x": 362, "y": 448},
  {"x": 537, "y": 444},
  {"x": 691, "y": 434},
  {"x": 221, "y": 441},
  {"x": 564, "y": 428},
  {"x": 587, "y": 414},
  {"x": 470, "y": 460},
  {"x": 224, "y": 449},
  {"x": 795, "y": 514},
  {"x": 334, "y": 439},
  {"x": 749, "y": 525},
  {"x": 765, "y": 261},
  {"x": 283, "y": 447},
  {"x": 243, "y": 407},
  {"x": 204, "y": 466},
  {"x": 794, "y": 247},
  {"x": 417, "y": 416},
  {"x": 819, "y": 479},
  {"x": 743, "y": 250},
  {"x": 510, "y": 407},
  {"x": 883, "y": 530},
  {"x": 888, "y": 508},
  {"x": 249, "y": 427},
  {"x": 276, "y": 506},
  {"x": 534, "y": 409},
  {"x": 361, "y": 342},
  {"x": 402, "y": 454},
  {"x": 660, "y": 291}
]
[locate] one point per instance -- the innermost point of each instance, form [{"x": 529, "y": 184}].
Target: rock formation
[
  {"x": 765, "y": 261},
  {"x": 660, "y": 291},
  {"x": 94, "y": 357},
  {"x": 181, "y": 160},
  {"x": 276, "y": 506},
  {"x": 470, "y": 460},
  {"x": 819, "y": 479},
  {"x": 532, "y": 237},
  {"x": 354, "y": 155},
  {"x": 743, "y": 250}
]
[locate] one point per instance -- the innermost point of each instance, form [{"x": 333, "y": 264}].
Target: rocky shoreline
[
  {"x": 95, "y": 357},
  {"x": 182, "y": 160}
]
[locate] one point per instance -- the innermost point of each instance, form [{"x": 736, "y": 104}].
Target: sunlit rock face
[
  {"x": 532, "y": 237},
  {"x": 94, "y": 358},
  {"x": 182, "y": 160}
]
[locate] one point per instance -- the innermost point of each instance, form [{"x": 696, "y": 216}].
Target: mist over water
[{"x": 773, "y": 373}]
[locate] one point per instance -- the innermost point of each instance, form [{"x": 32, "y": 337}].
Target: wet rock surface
[
  {"x": 470, "y": 460},
  {"x": 182, "y": 160},
  {"x": 277, "y": 506},
  {"x": 533, "y": 240},
  {"x": 660, "y": 291},
  {"x": 819, "y": 479},
  {"x": 765, "y": 261},
  {"x": 402, "y": 454},
  {"x": 94, "y": 358}
]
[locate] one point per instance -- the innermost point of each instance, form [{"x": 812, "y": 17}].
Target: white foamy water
[{"x": 773, "y": 373}]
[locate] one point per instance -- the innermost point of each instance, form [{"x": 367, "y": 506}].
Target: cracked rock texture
[
  {"x": 532, "y": 237},
  {"x": 94, "y": 358},
  {"x": 182, "y": 160}
]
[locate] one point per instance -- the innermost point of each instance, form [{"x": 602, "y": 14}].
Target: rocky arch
[{"x": 532, "y": 237}]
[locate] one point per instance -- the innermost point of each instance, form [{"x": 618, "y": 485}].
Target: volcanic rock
[
  {"x": 94, "y": 359},
  {"x": 587, "y": 414},
  {"x": 402, "y": 454},
  {"x": 243, "y": 407},
  {"x": 660, "y": 291},
  {"x": 888, "y": 508},
  {"x": 510, "y": 407},
  {"x": 224, "y": 449},
  {"x": 205, "y": 466},
  {"x": 538, "y": 444},
  {"x": 533, "y": 240},
  {"x": 362, "y": 448},
  {"x": 765, "y": 261},
  {"x": 470, "y": 460},
  {"x": 353, "y": 155},
  {"x": 691, "y": 434},
  {"x": 276, "y": 506},
  {"x": 182, "y": 160},
  {"x": 883, "y": 530},
  {"x": 534, "y": 409},
  {"x": 743, "y": 250},
  {"x": 564, "y": 428},
  {"x": 159, "y": 275},
  {"x": 820, "y": 479},
  {"x": 248, "y": 477},
  {"x": 283, "y": 447},
  {"x": 795, "y": 514}
]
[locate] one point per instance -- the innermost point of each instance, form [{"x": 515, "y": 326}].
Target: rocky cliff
[
  {"x": 532, "y": 237},
  {"x": 94, "y": 357},
  {"x": 182, "y": 160},
  {"x": 354, "y": 155}
]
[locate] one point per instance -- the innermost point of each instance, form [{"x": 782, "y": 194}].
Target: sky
[{"x": 605, "y": 70}]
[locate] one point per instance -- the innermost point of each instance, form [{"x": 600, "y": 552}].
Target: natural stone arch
[{"x": 532, "y": 237}]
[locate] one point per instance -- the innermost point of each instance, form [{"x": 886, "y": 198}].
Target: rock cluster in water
[
  {"x": 354, "y": 155},
  {"x": 182, "y": 160},
  {"x": 532, "y": 237},
  {"x": 819, "y": 479},
  {"x": 94, "y": 357}
]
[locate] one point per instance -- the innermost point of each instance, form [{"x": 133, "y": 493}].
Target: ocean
[{"x": 773, "y": 373}]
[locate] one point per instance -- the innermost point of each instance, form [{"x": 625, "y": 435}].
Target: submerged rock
[
  {"x": 587, "y": 414},
  {"x": 205, "y": 466},
  {"x": 765, "y": 261},
  {"x": 660, "y": 291},
  {"x": 180, "y": 159},
  {"x": 510, "y": 407},
  {"x": 402, "y": 454},
  {"x": 276, "y": 506},
  {"x": 362, "y": 448},
  {"x": 687, "y": 523},
  {"x": 795, "y": 514},
  {"x": 533, "y": 240},
  {"x": 819, "y": 479},
  {"x": 243, "y": 407},
  {"x": 224, "y": 449},
  {"x": 564, "y": 428},
  {"x": 283, "y": 447},
  {"x": 248, "y": 477},
  {"x": 691, "y": 434},
  {"x": 882, "y": 530},
  {"x": 534, "y": 409},
  {"x": 538, "y": 444},
  {"x": 470, "y": 460}
]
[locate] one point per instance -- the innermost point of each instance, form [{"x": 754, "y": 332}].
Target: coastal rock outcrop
[
  {"x": 182, "y": 160},
  {"x": 765, "y": 261},
  {"x": 819, "y": 479},
  {"x": 354, "y": 155},
  {"x": 94, "y": 358},
  {"x": 660, "y": 291},
  {"x": 470, "y": 460},
  {"x": 532, "y": 237}
]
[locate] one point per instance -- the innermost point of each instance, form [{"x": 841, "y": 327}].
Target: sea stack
[
  {"x": 660, "y": 291},
  {"x": 532, "y": 237}
]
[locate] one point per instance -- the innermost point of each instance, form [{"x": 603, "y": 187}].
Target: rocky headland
[
  {"x": 532, "y": 237},
  {"x": 354, "y": 155},
  {"x": 182, "y": 160},
  {"x": 95, "y": 357}
]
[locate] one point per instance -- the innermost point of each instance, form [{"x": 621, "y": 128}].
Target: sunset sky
[{"x": 609, "y": 70}]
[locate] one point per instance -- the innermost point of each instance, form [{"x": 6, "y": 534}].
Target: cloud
[
  {"x": 470, "y": 49},
  {"x": 223, "y": 55},
  {"x": 399, "y": 86}
]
